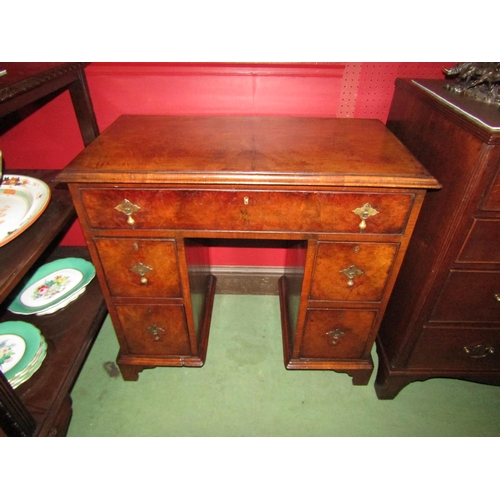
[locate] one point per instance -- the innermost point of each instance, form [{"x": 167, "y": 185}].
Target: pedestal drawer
[
  {"x": 136, "y": 267},
  {"x": 247, "y": 210},
  {"x": 472, "y": 296},
  {"x": 154, "y": 329},
  {"x": 457, "y": 349},
  {"x": 335, "y": 333},
  {"x": 352, "y": 271}
]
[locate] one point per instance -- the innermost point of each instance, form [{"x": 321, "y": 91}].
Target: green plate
[
  {"x": 32, "y": 338},
  {"x": 51, "y": 284},
  {"x": 36, "y": 363}
]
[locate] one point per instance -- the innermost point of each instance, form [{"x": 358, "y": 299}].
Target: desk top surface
[{"x": 243, "y": 150}]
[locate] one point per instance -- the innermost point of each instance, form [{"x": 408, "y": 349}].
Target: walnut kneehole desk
[{"x": 342, "y": 195}]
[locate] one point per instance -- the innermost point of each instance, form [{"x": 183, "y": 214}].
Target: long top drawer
[{"x": 247, "y": 210}]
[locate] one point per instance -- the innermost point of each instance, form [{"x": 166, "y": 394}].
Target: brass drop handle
[
  {"x": 155, "y": 331},
  {"x": 365, "y": 212},
  {"x": 334, "y": 336},
  {"x": 497, "y": 297},
  {"x": 479, "y": 351},
  {"x": 351, "y": 272},
  {"x": 141, "y": 269},
  {"x": 128, "y": 208}
]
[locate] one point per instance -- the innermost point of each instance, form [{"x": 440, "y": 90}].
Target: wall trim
[{"x": 219, "y": 69}]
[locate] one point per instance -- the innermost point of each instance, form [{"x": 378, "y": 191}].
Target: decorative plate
[
  {"x": 12, "y": 348},
  {"x": 32, "y": 340},
  {"x": 33, "y": 366},
  {"x": 53, "y": 284},
  {"x": 62, "y": 304},
  {"x": 22, "y": 200}
]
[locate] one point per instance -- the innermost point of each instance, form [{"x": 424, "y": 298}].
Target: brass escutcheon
[
  {"x": 128, "y": 208},
  {"x": 155, "y": 331},
  {"x": 364, "y": 213},
  {"x": 334, "y": 336},
  {"x": 141, "y": 269},
  {"x": 351, "y": 272}
]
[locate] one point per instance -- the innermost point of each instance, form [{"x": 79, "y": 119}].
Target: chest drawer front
[
  {"x": 482, "y": 243},
  {"x": 352, "y": 271},
  {"x": 136, "y": 267},
  {"x": 154, "y": 330},
  {"x": 492, "y": 200},
  {"x": 302, "y": 211},
  {"x": 335, "y": 333},
  {"x": 472, "y": 296},
  {"x": 457, "y": 349}
]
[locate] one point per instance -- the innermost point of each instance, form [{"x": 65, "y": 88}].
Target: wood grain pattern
[{"x": 298, "y": 181}]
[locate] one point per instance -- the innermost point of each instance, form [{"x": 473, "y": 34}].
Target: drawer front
[
  {"x": 154, "y": 329},
  {"x": 457, "y": 349},
  {"x": 472, "y": 296},
  {"x": 335, "y": 334},
  {"x": 246, "y": 210},
  {"x": 492, "y": 200},
  {"x": 482, "y": 243},
  {"x": 352, "y": 271},
  {"x": 136, "y": 267}
]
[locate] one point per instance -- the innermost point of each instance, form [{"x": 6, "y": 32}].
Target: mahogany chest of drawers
[
  {"x": 342, "y": 196},
  {"x": 443, "y": 319}
]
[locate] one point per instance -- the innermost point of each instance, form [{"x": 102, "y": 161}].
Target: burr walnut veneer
[{"x": 341, "y": 195}]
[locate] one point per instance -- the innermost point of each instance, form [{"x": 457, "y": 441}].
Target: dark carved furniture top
[{"x": 26, "y": 86}]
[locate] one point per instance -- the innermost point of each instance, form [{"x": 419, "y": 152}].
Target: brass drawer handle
[
  {"x": 128, "y": 208},
  {"x": 351, "y": 272},
  {"x": 141, "y": 269},
  {"x": 155, "y": 331},
  {"x": 497, "y": 297},
  {"x": 479, "y": 351},
  {"x": 365, "y": 212},
  {"x": 334, "y": 336}
]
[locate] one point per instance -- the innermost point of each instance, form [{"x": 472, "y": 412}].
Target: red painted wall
[{"x": 50, "y": 137}]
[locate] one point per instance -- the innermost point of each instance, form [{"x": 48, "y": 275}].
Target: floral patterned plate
[
  {"x": 12, "y": 348},
  {"x": 28, "y": 342},
  {"x": 53, "y": 284},
  {"x": 22, "y": 200},
  {"x": 64, "y": 303}
]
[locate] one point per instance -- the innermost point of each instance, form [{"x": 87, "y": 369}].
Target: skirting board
[{"x": 247, "y": 280}]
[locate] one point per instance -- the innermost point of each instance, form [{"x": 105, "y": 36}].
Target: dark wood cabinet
[
  {"x": 443, "y": 319},
  {"x": 41, "y": 406},
  {"x": 342, "y": 196}
]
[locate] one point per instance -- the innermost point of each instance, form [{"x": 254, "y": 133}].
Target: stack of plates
[
  {"x": 53, "y": 286},
  {"x": 22, "y": 351}
]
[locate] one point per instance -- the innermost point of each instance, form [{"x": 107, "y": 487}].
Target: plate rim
[
  {"x": 86, "y": 268},
  {"x": 31, "y": 215}
]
